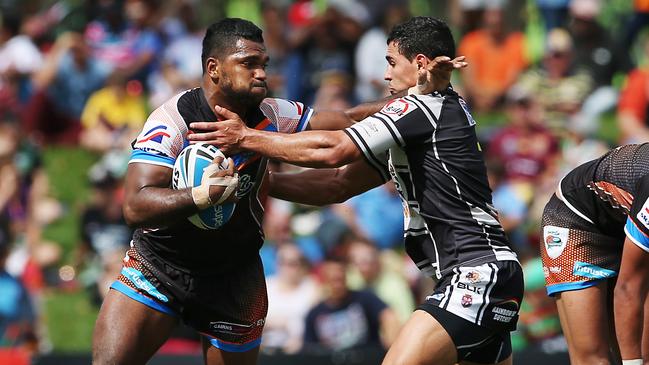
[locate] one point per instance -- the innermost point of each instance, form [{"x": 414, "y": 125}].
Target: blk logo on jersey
[
  {"x": 395, "y": 107},
  {"x": 643, "y": 214},
  {"x": 555, "y": 240},
  {"x": 155, "y": 134}
]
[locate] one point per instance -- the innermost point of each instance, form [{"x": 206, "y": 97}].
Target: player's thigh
[
  {"x": 645, "y": 331},
  {"x": 127, "y": 331},
  {"x": 584, "y": 319},
  {"x": 215, "y": 356},
  {"x": 507, "y": 361},
  {"x": 422, "y": 340}
]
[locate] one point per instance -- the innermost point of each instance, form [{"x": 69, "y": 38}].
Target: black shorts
[
  {"x": 229, "y": 309},
  {"x": 576, "y": 253},
  {"x": 478, "y": 307}
]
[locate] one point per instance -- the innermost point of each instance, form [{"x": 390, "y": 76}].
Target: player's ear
[
  {"x": 212, "y": 67},
  {"x": 421, "y": 61}
]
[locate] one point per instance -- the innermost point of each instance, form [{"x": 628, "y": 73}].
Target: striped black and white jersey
[
  {"x": 428, "y": 146},
  {"x": 181, "y": 244}
]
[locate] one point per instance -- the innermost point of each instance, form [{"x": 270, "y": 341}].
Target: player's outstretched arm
[
  {"x": 435, "y": 77},
  {"x": 629, "y": 298},
  {"x": 149, "y": 201},
  {"x": 324, "y": 186},
  {"x": 309, "y": 148}
]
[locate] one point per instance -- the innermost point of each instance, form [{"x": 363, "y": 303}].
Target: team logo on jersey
[
  {"x": 555, "y": 240},
  {"x": 396, "y": 107},
  {"x": 245, "y": 185},
  {"x": 467, "y": 300},
  {"x": 155, "y": 134},
  {"x": 473, "y": 276},
  {"x": 643, "y": 214}
]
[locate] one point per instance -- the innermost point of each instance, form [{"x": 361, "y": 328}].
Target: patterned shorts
[
  {"x": 229, "y": 309},
  {"x": 575, "y": 253}
]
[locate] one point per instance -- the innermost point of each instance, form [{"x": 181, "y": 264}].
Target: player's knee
[{"x": 584, "y": 357}]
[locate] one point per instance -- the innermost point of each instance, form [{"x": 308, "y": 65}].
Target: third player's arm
[
  {"x": 629, "y": 298},
  {"x": 324, "y": 186}
]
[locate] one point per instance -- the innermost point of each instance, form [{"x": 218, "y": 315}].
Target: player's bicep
[{"x": 143, "y": 175}]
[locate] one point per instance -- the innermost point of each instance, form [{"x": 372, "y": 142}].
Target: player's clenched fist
[{"x": 218, "y": 185}]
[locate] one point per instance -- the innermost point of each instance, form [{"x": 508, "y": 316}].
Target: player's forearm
[
  {"x": 312, "y": 187},
  {"x": 364, "y": 110},
  {"x": 155, "y": 207},
  {"x": 629, "y": 312},
  {"x": 308, "y": 149}
]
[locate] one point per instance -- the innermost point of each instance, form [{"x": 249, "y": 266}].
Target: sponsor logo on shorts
[
  {"x": 467, "y": 300},
  {"x": 591, "y": 271},
  {"x": 643, "y": 214},
  {"x": 555, "y": 240},
  {"x": 232, "y": 328},
  {"x": 396, "y": 106},
  {"x": 505, "y": 315},
  {"x": 473, "y": 277},
  {"x": 551, "y": 270},
  {"x": 245, "y": 185},
  {"x": 137, "y": 278}
]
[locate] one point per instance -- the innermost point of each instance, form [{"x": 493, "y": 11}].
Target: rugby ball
[{"x": 188, "y": 172}]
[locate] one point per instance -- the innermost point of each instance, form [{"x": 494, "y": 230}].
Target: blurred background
[{"x": 551, "y": 83}]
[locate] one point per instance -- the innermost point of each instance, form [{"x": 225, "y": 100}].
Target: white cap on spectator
[
  {"x": 587, "y": 9},
  {"x": 558, "y": 40},
  {"x": 352, "y": 9}
]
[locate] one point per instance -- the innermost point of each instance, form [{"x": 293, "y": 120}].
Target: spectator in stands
[
  {"x": 104, "y": 234},
  {"x": 639, "y": 20},
  {"x": 367, "y": 272},
  {"x": 122, "y": 37},
  {"x": 324, "y": 43},
  {"x": 291, "y": 294},
  {"x": 497, "y": 58},
  {"x": 61, "y": 89},
  {"x": 597, "y": 53},
  {"x": 347, "y": 318},
  {"x": 17, "y": 315},
  {"x": 559, "y": 87},
  {"x": 632, "y": 116},
  {"x": 369, "y": 59},
  {"x": 553, "y": 12},
  {"x": 376, "y": 215},
  {"x": 525, "y": 147},
  {"x": 180, "y": 68},
  {"x": 19, "y": 58},
  {"x": 112, "y": 116}
]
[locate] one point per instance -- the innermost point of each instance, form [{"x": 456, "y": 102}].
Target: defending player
[
  {"x": 211, "y": 279},
  {"x": 428, "y": 146},
  {"x": 594, "y": 227}
]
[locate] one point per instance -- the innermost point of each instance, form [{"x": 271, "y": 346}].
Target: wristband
[{"x": 632, "y": 362}]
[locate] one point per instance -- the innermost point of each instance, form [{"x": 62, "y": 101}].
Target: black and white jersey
[
  {"x": 181, "y": 244},
  {"x": 428, "y": 146}
]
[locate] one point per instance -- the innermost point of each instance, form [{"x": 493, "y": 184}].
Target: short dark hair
[
  {"x": 221, "y": 37},
  {"x": 423, "y": 34}
]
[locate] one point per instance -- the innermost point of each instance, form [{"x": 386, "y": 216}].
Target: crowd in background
[{"x": 86, "y": 74}]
